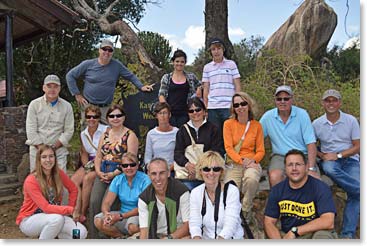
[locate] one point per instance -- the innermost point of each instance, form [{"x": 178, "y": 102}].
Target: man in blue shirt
[
  {"x": 339, "y": 137},
  {"x": 100, "y": 76},
  {"x": 303, "y": 204},
  {"x": 289, "y": 127}
]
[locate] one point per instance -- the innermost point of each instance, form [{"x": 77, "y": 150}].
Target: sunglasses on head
[
  {"x": 92, "y": 117},
  {"x": 111, "y": 116},
  {"x": 243, "y": 104},
  {"x": 128, "y": 164},
  {"x": 215, "y": 169},
  {"x": 285, "y": 99},
  {"x": 107, "y": 49},
  {"x": 194, "y": 110}
]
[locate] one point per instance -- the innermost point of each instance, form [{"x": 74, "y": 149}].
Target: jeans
[
  {"x": 345, "y": 173},
  {"x": 178, "y": 120},
  {"x": 49, "y": 226},
  {"x": 192, "y": 184},
  {"x": 217, "y": 117}
]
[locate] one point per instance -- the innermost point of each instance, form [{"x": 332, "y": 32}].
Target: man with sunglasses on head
[
  {"x": 164, "y": 206},
  {"x": 288, "y": 127},
  {"x": 339, "y": 137},
  {"x": 303, "y": 204},
  {"x": 100, "y": 76}
]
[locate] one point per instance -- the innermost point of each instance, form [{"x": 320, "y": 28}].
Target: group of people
[{"x": 117, "y": 199}]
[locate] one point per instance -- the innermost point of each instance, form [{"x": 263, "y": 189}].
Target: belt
[{"x": 101, "y": 105}]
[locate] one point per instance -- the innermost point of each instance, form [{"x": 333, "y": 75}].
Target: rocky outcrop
[{"x": 306, "y": 32}]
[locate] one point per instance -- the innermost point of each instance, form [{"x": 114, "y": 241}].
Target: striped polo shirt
[{"x": 220, "y": 77}]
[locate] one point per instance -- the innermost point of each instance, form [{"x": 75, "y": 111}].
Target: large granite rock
[{"x": 307, "y": 31}]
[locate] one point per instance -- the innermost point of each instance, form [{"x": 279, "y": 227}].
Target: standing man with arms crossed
[
  {"x": 221, "y": 79},
  {"x": 339, "y": 137},
  {"x": 303, "y": 204},
  {"x": 50, "y": 120},
  {"x": 164, "y": 197},
  {"x": 288, "y": 127},
  {"x": 100, "y": 76}
]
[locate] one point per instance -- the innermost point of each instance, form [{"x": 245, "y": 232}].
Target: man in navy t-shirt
[{"x": 303, "y": 204}]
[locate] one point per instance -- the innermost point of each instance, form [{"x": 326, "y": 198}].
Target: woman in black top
[{"x": 177, "y": 88}]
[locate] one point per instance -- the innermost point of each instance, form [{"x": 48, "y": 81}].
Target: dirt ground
[{"x": 8, "y": 213}]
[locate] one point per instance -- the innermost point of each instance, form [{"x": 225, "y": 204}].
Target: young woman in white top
[
  {"x": 84, "y": 179},
  {"x": 161, "y": 140},
  {"x": 205, "y": 197}
]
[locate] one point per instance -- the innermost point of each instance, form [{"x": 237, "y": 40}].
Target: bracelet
[{"x": 121, "y": 217}]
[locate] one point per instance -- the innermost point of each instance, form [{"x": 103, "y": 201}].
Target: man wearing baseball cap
[
  {"x": 221, "y": 79},
  {"x": 50, "y": 120},
  {"x": 339, "y": 137},
  {"x": 288, "y": 127},
  {"x": 100, "y": 76}
]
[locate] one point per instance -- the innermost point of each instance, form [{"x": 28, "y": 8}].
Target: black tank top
[{"x": 177, "y": 97}]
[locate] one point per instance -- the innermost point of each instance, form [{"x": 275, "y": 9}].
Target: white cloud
[
  {"x": 237, "y": 31},
  {"x": 194, "y": 37},
  {"x": 351, "y": 42}
]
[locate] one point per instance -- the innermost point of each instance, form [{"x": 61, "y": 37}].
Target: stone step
[
  {"x": 8, "y": 178},
  {"x": 9, "y": 189},
  {"x": 8, "y": 199}
]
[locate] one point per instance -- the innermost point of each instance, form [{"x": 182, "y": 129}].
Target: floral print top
[{"x": 113, "y": 151}]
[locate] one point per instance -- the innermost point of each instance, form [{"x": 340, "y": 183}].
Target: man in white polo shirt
[{"x": 221, "y": 79}]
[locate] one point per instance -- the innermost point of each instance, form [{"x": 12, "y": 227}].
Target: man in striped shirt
[{"x": 221, "y": 79}]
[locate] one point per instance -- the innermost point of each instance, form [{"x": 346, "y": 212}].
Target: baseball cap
[
  {"x": 52, "y": 78},
  {"x": 331, "y": 93},
  {"x": 284, "y": 88},
  {"x": 216, "y": 41},
  {"x": 106, "y": 42}
]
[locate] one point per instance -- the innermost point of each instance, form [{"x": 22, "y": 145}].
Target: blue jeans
[
  {"x": 217, "y": 117},
  {"x": 192, "y": 184},
  {"x": 178, "y": 120},
  {"x": 345, "y": 173}
]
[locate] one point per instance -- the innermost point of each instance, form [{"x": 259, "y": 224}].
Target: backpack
[{"x": 248, "y": 232}]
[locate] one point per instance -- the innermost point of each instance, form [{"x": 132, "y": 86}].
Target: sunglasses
[
  {"x": 92, "y": 117},
  {"x": 215, "y": 169},
  {"x": 243, "y": 104},
  {"x": 128, "y": 164},
  {"x": 107, "y": 49},
  {"x": 111, "y": 116},
  {"x": 191, "y": 111},
  {"x": 284, "y": 99}
]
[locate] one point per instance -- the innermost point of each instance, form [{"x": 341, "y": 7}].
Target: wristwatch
[
  {"x": 121, "y": 217},
  {"x": 294, "y": 229},
  {"x": 339, "y": 155},
  {"x": 169, "y": 236},
  {"x": 312, "y": 169},
  {"x": 53, "y": 146}
]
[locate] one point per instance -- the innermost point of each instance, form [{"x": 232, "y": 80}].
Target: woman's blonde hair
[
  {"x": 56, "y": 182},
  {"x": 130, "y": 156},
  {"x": 206, "y": 160},
  {"x": 251, "y": 105}
]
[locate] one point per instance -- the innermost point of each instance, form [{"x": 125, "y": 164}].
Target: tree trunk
[{"x": 216, "y": 24}]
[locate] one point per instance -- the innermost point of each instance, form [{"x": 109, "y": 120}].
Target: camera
[{"x": 76, "y": 234}]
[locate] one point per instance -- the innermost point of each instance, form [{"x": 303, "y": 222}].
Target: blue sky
[{"x": 182, "y": 21}]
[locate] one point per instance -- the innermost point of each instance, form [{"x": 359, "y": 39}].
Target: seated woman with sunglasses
[
  {"x": 127, "y": 188},
  {"x": 161, "y": 140},
  {"x": 84, "y": 177},
  {"x": 42, "y": 215},
  {"x": 244, "y": 169},
  {"x": 116, "y": 141},
  {"x": 202, "y": 131},
  {"x": 210, "y": 218}
]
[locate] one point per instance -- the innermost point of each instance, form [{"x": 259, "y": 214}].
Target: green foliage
[
  {"x": 345, "y": 62},
  {"x": 246, "y": 52},
  {"x": 157, "y": 47},
  {"x": 124, "y": 9}
]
